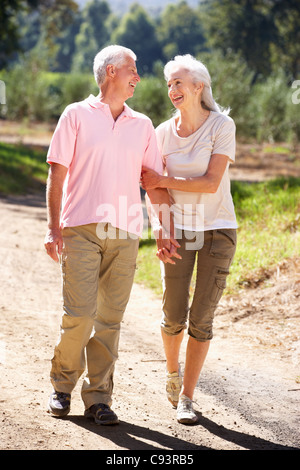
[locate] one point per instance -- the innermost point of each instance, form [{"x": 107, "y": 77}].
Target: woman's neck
[{"x": 189, "y": 121}]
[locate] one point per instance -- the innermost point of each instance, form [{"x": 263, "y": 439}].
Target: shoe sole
[
  {"x": 187, "y": 420},
  {"x": 173, "y": 403},
  {"x": 58, "y": 413},
  {"x": 111, "y": 422}
]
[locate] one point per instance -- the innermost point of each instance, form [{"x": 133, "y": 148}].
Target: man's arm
[
  {"x": 161, "y": 219},
  {"x": 53, "y": 240}
]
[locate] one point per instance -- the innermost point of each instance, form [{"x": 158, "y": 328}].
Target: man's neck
[{"x": 116, "y": 106}]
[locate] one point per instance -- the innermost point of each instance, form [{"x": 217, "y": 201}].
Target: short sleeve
[
  {"x": 62, "y": 145},
  {"x": 161, "y": 132},
  {"x": 152, "y": 157},
  {"x": 225, "y": 140}
]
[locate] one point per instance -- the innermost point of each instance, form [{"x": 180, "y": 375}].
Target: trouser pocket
[
  {"x": 218, "y": 284},
  {"x": 223, "y": 243},
  {"x": 118, "y": 288}
]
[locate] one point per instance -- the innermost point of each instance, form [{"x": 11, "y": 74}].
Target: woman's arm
[
  {"x": 208, "y": 183},
  {"x": 161, "y": 219}
]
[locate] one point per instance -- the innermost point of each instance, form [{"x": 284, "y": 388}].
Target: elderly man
[{"x": 94, "y": 223}]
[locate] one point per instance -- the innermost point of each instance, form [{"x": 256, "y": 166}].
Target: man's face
[{"x": 126, "y": 78}]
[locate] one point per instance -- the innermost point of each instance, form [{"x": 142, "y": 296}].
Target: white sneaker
[
  {"x": 173, "y": 386},
  {"x": 185, "y": 412}
]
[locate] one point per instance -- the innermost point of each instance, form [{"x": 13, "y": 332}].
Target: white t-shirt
[{"x": 189, "y": 157}]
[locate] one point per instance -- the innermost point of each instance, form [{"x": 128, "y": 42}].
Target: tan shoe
[{"x": 173, "y": 386}]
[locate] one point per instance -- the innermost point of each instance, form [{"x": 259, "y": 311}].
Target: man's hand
[
  {"x": 167, "y": 249},
  {"x": 54, "y": 243}
]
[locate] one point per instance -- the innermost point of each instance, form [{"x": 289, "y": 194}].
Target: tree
[
  {"x": 180, "y": 30},
  {"x": 286, "y": 51},
  {"x": 66, "y": 45},
  {"x": 9, "y": 34},
  {"x": 137, "y": 31},
  {"x": 50, "y": 17},
  {"x": 242, "y": 26},
  {"x": 92, "y": 36}
]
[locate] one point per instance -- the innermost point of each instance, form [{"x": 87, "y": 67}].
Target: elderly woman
[{"x": 197, "y": 145}]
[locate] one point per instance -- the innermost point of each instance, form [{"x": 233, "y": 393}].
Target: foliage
[
  {"x": 251, "y": 50},
  {"x": 93, "y": 34},
  {"x": 22, "y": 170},
  {"x": 232, "y": 84},
  {"x": 265, "y": 34},
  {"x": 180, "y": 30},
  {"x": 268, "y": 215},
  {"x": 269, "y": 224},
  {"x": 134, "y": 27},
  {"x": 151, "y": 98},
  {"x": 54, "y": 15},
  {"x": 242, "y": 26},
  {"x": 26, "y": 94}
]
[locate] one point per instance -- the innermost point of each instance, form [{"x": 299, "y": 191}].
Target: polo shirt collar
[{"x": 95, "y": 102}]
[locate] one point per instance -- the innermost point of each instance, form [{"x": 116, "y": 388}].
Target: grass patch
[
  {"x": 23, "y": 169},
  {"x": 268, "y": 215}
]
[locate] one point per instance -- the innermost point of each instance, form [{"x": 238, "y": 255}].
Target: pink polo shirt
[{"x": 104, "y": 160}]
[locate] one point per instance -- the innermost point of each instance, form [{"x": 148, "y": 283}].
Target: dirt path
[{"x": 247, "y": 397}]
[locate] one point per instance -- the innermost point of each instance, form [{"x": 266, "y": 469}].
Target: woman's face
[{"x": 181, "y": 90}]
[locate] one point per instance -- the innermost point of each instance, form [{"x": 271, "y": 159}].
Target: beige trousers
[{"x": 98, "y": 266}]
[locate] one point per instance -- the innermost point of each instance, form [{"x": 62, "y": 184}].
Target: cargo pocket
[
  {"x": 79, "y": 283},
  {"x": 218, "y": 284},
  {"x": 120, "y": 283}
]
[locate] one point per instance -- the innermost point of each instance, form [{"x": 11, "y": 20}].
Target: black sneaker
[
  {"x": 102, "y": 414},
  {"x": 59, "y": 404}
]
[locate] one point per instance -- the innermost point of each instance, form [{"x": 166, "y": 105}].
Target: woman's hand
[
  {"x": 150, "y": 179},
  {"x": 167, "y": 249}
]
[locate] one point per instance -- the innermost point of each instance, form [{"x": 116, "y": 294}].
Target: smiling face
[
  {"x": 125, "y": 78},
  {"x": 183, "y": 92}
]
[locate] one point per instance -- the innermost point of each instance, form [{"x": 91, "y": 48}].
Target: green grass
[
  {"x": 22, "y": 169},
  {"x": 268, "y": 215}
]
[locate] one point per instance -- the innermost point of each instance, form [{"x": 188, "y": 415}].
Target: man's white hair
[
  {"x": 115, "y": 55},
  {"x": 199, "y": 74}
]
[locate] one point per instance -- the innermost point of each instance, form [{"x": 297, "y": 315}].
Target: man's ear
[{"x": 111, "y": 70}]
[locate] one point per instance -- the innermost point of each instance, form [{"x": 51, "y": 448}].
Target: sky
[{"x": 153, "y": 6}]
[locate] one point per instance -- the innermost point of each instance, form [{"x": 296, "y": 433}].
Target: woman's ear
[{"x": 199, "y": 87}]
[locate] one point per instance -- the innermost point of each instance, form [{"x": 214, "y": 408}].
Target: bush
[
  {"x": 231, "y": 86},
  {"x": 263, "y": 110},
  {"x": 151, "y": 98},
  {"x": 35, "y": 95},
  {"x": 27, "y": 96},
  {"x": 66, "y": 88}
]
